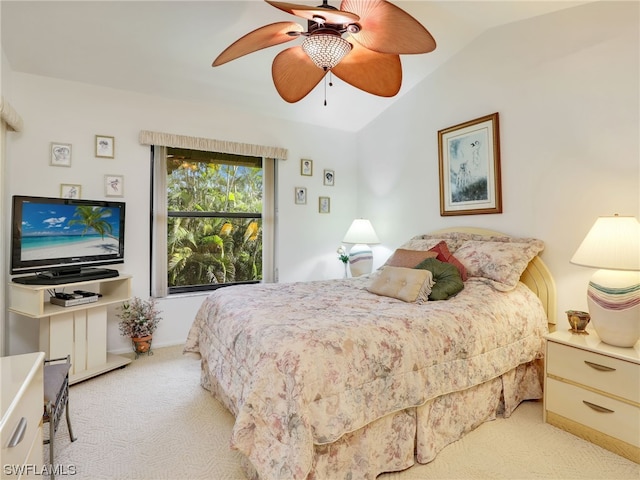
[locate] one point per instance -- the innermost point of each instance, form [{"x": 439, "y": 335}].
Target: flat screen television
[{"x": 64, "y": 239}]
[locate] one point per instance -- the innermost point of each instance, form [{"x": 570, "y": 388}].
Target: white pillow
[{"x": 406, "y": 284}]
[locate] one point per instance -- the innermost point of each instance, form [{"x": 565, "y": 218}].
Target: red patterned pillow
[{"x": 444, "y": 255}]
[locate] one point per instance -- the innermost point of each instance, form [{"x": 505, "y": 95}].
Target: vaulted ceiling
[{"x": 165, "y": 48}]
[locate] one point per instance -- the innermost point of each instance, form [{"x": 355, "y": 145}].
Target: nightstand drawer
[
  {"x": 604, "y": 373},
  {"x": 607, "y": 415}
]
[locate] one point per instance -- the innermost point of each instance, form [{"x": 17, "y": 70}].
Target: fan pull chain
[
  {"x": 325, "y": 91},
  {"x": 325, "y": 86}
]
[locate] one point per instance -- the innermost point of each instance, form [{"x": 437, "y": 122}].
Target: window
[{"x": 215, "y": 218}]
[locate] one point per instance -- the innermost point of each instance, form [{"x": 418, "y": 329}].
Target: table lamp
[
  {"x": 360, "y": 233},
  {"x": 613, "y": 294}
]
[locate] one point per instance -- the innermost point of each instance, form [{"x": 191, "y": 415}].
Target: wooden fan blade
[
  {"x": 388, "y": 29},
  {"x": 294, "y": 74},
  {"x": 335, "y": 17},
  {"x": 373, "y": 72},
  {"x": 263, "y": 37}
]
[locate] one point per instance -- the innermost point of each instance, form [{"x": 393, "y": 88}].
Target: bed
[{"x": 328, "y": 380}]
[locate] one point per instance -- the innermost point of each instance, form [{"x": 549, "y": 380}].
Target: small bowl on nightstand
[{"x": 578, "y": 321}]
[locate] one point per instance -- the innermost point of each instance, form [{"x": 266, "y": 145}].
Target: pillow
[
  {"x": 419, "y": 243},
  {"x": 427, "y": 241},
  {"x": 444, "y": 255},
  {"x": 455, "y": 239},
  {"x": 501, "y": 263},
  {"x": 408, "y": 258},
  {"x": 446, "y": 279},
  {"x": 405, "y": 284}
]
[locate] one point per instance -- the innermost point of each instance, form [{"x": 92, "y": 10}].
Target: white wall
[
  {"x": 566, "y": 88},
  {"x": 67, "y": 112}
]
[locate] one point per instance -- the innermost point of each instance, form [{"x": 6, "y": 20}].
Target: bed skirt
[{"x": 397, "y": 441}]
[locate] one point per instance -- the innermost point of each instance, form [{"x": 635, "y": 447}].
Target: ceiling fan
[{"x": 379, "y": 30}]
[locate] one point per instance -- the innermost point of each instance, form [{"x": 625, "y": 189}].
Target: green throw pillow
[{"x": 446, "y": 277}]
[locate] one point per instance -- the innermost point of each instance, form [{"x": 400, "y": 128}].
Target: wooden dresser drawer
[
  {"x": 620, "y": 419},
  {"x": 607, "y": 374}
]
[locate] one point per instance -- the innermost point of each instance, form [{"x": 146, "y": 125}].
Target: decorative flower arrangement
[
  {"x": 138, "y": 318},
  {"x": 342, "y": 255},
  {"x": 344, "y": 258}
]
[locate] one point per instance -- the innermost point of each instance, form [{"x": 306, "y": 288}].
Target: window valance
[
  {"x": 210, "y": 145},
  {"x": 10, "y": 116}
]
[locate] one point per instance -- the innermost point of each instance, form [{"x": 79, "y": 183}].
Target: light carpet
[{"x": 153, "y": 420}]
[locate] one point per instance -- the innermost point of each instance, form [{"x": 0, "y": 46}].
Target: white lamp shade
[
  {"x": 361, "y": 231},
  {"x": 613, "y": 243}
]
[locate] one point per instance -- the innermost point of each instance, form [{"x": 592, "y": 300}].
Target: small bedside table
[{"x": 592, "y": 390}]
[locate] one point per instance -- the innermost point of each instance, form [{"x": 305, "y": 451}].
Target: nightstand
[{"x": 592, "y": 390}]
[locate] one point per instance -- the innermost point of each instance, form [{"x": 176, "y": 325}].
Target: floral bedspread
[{"x": 305, "y": 363}]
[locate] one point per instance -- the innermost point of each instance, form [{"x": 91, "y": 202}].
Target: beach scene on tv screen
[{"x": 63, "y": 231}]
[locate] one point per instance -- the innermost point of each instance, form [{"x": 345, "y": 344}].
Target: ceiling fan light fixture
[{"x": 326, "y": 50}]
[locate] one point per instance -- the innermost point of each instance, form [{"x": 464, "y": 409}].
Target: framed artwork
[
  {"x": 114, "y": 185},
  {"x": 301, "y": 196},
  {"x": 306, "y": 167},
  {"x": 60, "y": 155},
  {"x": 105, "y": 146},
  {"x": 324, "y": 204},
  {"x": 329, "y": 177},
  {"x": 70, "y": 190},
  {"x": 469, "y": 164}
]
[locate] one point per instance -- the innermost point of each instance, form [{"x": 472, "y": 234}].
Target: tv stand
[
  {"x": 79, "y": 330},
  {"x": 60, "y": 278}
]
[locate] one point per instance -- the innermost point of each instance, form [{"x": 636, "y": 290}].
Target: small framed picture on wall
[
  {"x": 114, "y": 185},
  {"x": 69, "y": 190},
  {"x": 324, "y": 205},
  {"x": 105, "y": 146},
  {"x": 329, "y": 178},
  {"x": 301, "y": 195},
  {"x": 60, "y": 155},
  {"x": 306, "y": 167}
]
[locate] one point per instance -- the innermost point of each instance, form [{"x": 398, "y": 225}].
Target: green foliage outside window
[{"x": 215, "y": 230}]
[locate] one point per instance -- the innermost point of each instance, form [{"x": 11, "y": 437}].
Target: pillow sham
[
  {"x": 444, "y": 255},
  {"x": 453, "y": 240},
  {"x": 446, "y": 279},
  {"x": 501, "y": 263},
  {"x": 419, "y": 243},
  {"x": 406, "y": 284},
  {"x": 408, "y": 258}
]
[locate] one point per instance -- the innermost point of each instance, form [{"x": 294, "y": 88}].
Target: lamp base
[
  {"x": 614, "y": 304},
  {"x": 360, "y": 260}
]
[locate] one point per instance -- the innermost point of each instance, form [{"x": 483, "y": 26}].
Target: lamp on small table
[
  {"x": 613, "y": 294},
  {"x": 361, "y": 234}
]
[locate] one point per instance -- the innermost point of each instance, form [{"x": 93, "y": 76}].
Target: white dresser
[
  {"x": 21, "y": 407},
  {"x": 592, "y": 390}
]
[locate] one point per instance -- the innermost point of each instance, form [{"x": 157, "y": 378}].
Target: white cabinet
[
  {"x": 81, "y": 330},
  {"x": 21, "y": 407},
  {"x": 593, "y": 391}
]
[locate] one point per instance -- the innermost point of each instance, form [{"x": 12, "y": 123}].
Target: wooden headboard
[{"x": 536, "y": 276}]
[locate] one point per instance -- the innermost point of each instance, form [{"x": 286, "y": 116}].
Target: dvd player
[{"x": 71, "y": 302}]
